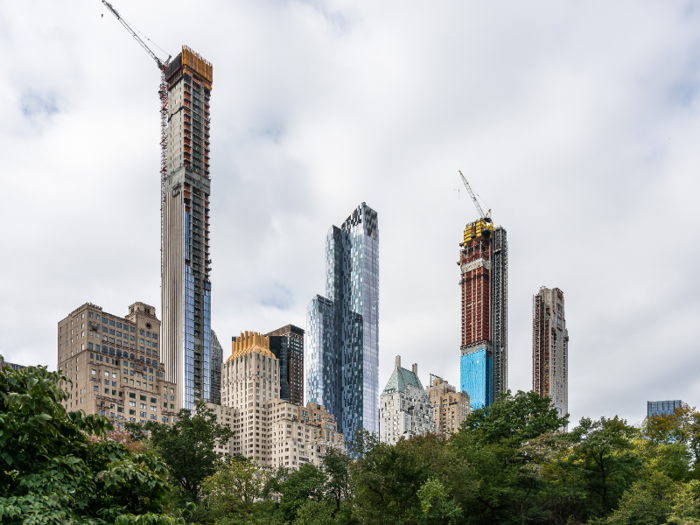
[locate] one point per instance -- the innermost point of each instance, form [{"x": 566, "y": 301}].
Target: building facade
[
  {"x": 186, "y": 264},
  {"x": 659, "y": 408},
  {"x": 273, "y": 431},
  {"x": 405, "y": 410},
  {"x": 450, "y": 407},
  {"x": 217, "y": 355},
  {"x": 342, "y": 338},
  {"x": 550, "y": 348},
  {"x": 484, "y": 287},
  {"x": 287, "y": 343},
  {"x": 114, "y": 365}
]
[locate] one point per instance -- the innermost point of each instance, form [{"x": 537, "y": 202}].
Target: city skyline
[{"x": 603, "y": 131}]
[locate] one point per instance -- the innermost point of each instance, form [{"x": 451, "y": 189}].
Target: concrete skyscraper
[
  {"x": 186, "y": 285},
  {"x": 550, "y": 348},
  {"x": 484, "y": 280},
  {"x": 342, "y": 339}
]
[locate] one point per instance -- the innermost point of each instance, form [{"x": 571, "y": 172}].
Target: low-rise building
[
  {"x": 113, "y": 364},
  {"x": 449, "y": 406},
  {"x": 404, "y": 408}
]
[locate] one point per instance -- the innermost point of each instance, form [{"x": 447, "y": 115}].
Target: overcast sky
[{"x": 577, "y": 122}]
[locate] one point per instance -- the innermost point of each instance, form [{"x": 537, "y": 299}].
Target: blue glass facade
[
  {"x": 658, "y": 408},
  {"x": 475, "y": 376},
  {"x": 342, "y": 345}
]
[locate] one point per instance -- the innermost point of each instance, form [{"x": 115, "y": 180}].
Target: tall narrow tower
[
  {"x": 341, "y": 342},
  {"x": 550, "y": 348},
  {"x": 484, "y": 281},
  {"x": 186, "y": 285}
]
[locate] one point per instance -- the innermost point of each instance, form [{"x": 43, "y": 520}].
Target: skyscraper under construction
[
  {"x": 484, "y": 281},
  {"x": 550, "y": 348},
  {"x": 186, "y": 284}
]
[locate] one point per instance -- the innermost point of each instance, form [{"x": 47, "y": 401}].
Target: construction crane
[
  {"x": 163, "y": 95},
  {"x": 486, "y": 217}
]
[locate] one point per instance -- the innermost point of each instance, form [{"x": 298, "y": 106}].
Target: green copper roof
[{"x": 399, "y": 379}]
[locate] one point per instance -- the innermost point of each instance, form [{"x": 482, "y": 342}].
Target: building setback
[
  {"x": 268, "y": 429},
  {"x": 186, "y": 266},
  {"x": 342, "y": 341},
  {"x": 550, "y": 348},
  {"x": 405, "y": 410},
  {"x": 449, "y": 406},
  {"x": 484, "y": 281},
  {"x": 287, "y": 343},
  {"x": 113, "y": 364}
]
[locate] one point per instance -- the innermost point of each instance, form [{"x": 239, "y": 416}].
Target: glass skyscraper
[{"x": 342, "y": 337}]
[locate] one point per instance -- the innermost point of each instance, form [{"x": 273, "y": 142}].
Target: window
[
  {"x": 142, "y": 398},
  {"x": 154, "y": 408},
  {"x": 94, "y": 372},
  {"x": 133, "y": 330},
  {"x": 111, "y": 322},
  {"x": 132, "y": 412},
  {"x": 153, "y": 400},
  {"x": 90, "y": 315},
  {"x": 132, "y": 395},
  {"x": 120, "y": 409},
  {"x": 141, "y": 341},
  {"x": 141, "y": 332},
  {"x": 155, "y": 336},
  {"x": 148, "y": 334},
  {"x": 142, "y": 414},
  {"x": 119, "y": 325},
  {"x": 153, "y": 416},
  {"x": 132, "y": 403},
  {"x": 104, "y": 329}
]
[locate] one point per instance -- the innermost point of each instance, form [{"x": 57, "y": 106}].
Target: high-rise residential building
[
  {"x": 268, "y": 429},
  {"x": 450, "y": 407},
  {"x": 550, "y": 348},
  {"x": 186, "y": 264},
  {"x": 405, "y": 410},
  {"x": 113, "y": 363},
  {"x": 217, "y": 355},
  {"x": 287, "y": 343},
  {"x": 342, "y": 339},
  {"x": 484, "y": 281},
  {"x": 659, "y": 408}
]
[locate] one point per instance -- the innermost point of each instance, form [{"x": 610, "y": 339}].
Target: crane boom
[
  {"x": 163, "y": 96},
  {"x": 123, "y": 22},
  {"x": 486, "y": 216}
]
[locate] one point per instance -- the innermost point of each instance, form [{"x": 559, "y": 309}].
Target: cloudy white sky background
[{"x": 577, "y": 122}]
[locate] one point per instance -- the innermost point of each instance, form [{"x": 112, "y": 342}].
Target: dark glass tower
[
  {"x": 342, "y": 344},
  {"x": 287, "y": 343},
  {"x": 217, "y": 358},
  {"x": 186, "y": 285}
]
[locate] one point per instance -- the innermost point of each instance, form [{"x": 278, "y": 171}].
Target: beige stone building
[
  {"x": 114, "y": 365},
  {"x": 274, "y": 432},
  {"x": 449, "y": 406}
]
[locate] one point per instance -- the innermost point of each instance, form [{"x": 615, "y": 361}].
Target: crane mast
[
  {"x": 487, "y": 216},
  {"x": 163, "y": 96}
]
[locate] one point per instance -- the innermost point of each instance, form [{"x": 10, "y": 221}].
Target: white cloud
[{"x": 576, "y": 122}]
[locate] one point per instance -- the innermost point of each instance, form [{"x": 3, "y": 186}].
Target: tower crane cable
[{"x": 163, "y": 95}]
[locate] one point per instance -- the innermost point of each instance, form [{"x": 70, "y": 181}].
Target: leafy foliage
[
  {"x": 187, "y": 447},
  {"x": 53, "y": 470}
]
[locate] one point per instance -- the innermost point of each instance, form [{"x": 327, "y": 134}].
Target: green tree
[
  {"x": 686, "y": 505},
  {"x": 187, "y": 446},
  {"x": 646, "y": 502},
  {"x": 51, "y": 471},
  {"x": 305, "y": 484},
  {"x": 494, "y": 443},
  {"x": 681, "y": 427},
  {"x": 603, "y": 460},
  {"x": 235, "y": 487},
  {"x": 437, "y": 507}
]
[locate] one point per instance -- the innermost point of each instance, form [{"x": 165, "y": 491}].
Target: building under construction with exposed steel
[
  {"x": 550, "y": 348},
  {"x": 483, "y": 266},
  {"x": 186, "y": 284}
]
